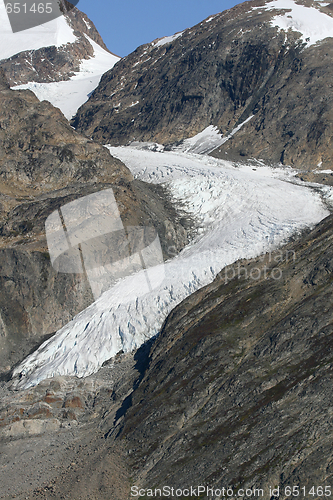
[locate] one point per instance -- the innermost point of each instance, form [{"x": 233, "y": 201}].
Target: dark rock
[
  {"x": 237, "y": 388},
  {"x": 3, "y": 80}
]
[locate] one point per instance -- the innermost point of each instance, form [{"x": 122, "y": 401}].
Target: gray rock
[{"x": 30, "y": 427}]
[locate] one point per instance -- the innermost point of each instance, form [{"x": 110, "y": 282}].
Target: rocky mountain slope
[
  {"x": 271, "y": 60},
  {"x": 236, "y": 391},
  {"x": 44, "y": 164}
]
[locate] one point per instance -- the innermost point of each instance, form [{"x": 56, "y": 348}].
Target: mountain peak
[
  {"x": 267, "y": 59},
  {"x": 53, "y": 51},
  {"x": 61, "y": 61}
]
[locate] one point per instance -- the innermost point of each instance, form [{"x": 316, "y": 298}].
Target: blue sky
[{"x": 124, "y": 25}]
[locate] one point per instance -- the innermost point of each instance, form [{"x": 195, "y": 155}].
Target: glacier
[{"x": 241, "y": 211}]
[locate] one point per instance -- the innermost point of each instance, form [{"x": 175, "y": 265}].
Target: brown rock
[{"x": 73, "y": 402}]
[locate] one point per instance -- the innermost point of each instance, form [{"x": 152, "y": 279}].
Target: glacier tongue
[{"x": 241, "y": 212}]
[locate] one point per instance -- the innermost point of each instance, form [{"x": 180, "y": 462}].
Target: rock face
[
  {"x": 45, "y": 164},
  {"x": 221, "y": 72},
  {"x": 237, "y": 387},
  {"x": 54, "y": 64},
  {"x": 41, "y": 152}
]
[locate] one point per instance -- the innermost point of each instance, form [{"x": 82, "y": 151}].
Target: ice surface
[{"x": 240, "y": 213}]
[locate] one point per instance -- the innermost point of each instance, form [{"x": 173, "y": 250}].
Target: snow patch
[
  {"x": 101, "y": 61},
  {"x": 211, "y": 18},
  {"x": 236, "y": 129},
  {"x": 167, "y": 39},
  {"x": 86, "y": 23},
  {"x": 313, "y": 24},
  {"x": 202, "y": 143},
  {"x": 209, "y": 139}
]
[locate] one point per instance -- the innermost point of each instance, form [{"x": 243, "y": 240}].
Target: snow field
[
  {"x": 56, "y": 32},
  {"x": 71, "y": 94},
  {"x": 311, "y": 22}
]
